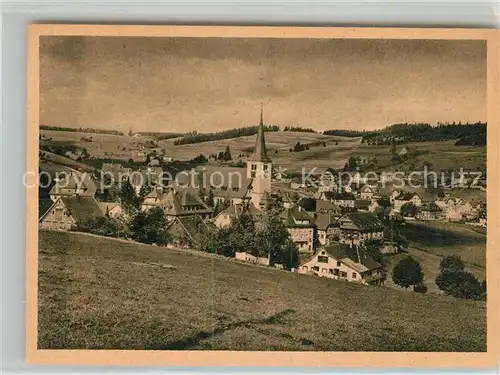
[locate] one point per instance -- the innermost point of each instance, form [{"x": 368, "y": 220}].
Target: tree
[
  {"x": 452, "y": 262},
  {"x": 227, "y": 154},
  {"x": 372, "y": 249},
  {"x": 150, "y": 227},
  {"x": 407, "y": 272},
  {"x": 210, "y": 198},
  {"x": 408, "y": 210},
  {"x": 146, "y": 188},
  {"x": 128, "y": 197},
  {"x": 460, "y": 284}
]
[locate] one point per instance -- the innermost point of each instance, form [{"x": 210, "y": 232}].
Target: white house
[{"x": 342, "y": 262}]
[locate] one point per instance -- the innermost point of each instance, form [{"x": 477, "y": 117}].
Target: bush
[
  {"x": 461, "y": 284},
  {"x": 420, "y": 288},
  {"x": 103, "y": 226},
  {"x": 452, "y": 262}
]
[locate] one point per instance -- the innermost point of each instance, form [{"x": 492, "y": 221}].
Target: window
[
  {"x": 322, "y": 259},
  {"x": 324, "y": 270},
  {"x": 315, "y": 268},
  {"x": 354, "y": 275},
  {"x": 339, "y": 263},
  {"x": 266, "y": 166},
  {"x": 254, "y": 167},
  {"x": 224, "y": 188},
  {"x": 304, "y": 268},
  {"x": 343, "y": 274},
  {"x": 235, "y": 189}
]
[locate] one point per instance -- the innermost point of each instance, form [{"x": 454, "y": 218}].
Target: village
[{"x": 340, "y": 230}]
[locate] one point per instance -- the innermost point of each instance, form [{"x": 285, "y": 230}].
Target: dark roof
[
  {"x": 364, "y": 221},
  {"x": 362, "y": 203},
  {"x": 325, "y": 205},
  {"x": 430, "y": 206},
  {"x": 343, "y": 251},
  {"x": 236, "y": 210},
  {"x": 290, "y": 217},
  {"x": 325, "y": 220},
  {"x": 354, "y": 256},
  {"x": 82, "y": 208},
  {"x": 260, "y": 152},
  {"x": 194, "y": 227}
]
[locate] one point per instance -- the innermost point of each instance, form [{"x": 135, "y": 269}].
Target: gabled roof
[
  {"x": 324, "y": 221},
  {"x": 108, "y": 206},
  {"x": 362, "y": 203},
  {"x": 431, "y": 207},
  {"x": 82, "y": 208},
  {"x": 292, "y": 218},
  {"x": 325, "y": 205},
  {"x": 260, "y": 152},
  {"x": 193, "y": 226},
  {"x": 43, "y": 206},
  {"x": 353, "y": 256},
  {"x": 363, "y": 221},
  {"x": 228, "y": 182},
  {"x": 234, "y": 211}
]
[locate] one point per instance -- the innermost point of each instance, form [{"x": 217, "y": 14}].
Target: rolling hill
[{"x": 100, "y": 293}]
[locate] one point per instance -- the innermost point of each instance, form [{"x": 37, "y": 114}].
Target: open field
[
  {"x": 98, "y": 293},
  {"x": 432, "y": 241},
  {"x": 442, "y": 155},
  {"x": 278, "y": 145}
]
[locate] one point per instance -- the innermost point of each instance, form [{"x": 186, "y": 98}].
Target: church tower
[{"x": 259, "y": 167}]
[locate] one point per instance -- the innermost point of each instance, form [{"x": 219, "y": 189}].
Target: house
[
  {"x": 154, "y": 163},
  {"x": 342, "y": 199},
  {"x": 367, "y": 192},
  {"x": 327, "y": 227},
  {"x": 360, "y": 226},
  {"x": 189, "y": 230},
  {"x": 323, "y": 205},
  {"x": 301, "y": 228},
  {"x": 112, "y": 209},
  {"x": 247, "y": 257},
  {"x": 343, "y": 262},
  {"x": 362, "y": 204},
  {"x": 167, "y": 159},
  {"x": 73, "y": 184},
  {"x": 66, "y": 212},
  {"x": 226, "y": 217},
  {"x": 405, "y": 197},
  {"x": 177, "y": 202},
  {"x": 429, "y": 211}
]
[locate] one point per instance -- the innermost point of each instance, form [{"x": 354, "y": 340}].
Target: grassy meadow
[
  {"x": 100, "y": 293},
  {"x": 432, "y": 241}
]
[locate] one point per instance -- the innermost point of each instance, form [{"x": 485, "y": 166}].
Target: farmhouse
[
  {"x": 189, "y": 230},
  {"x": 343, "y": 262},
  {"x": 301, "y": 228},
  {"x": 66, "y": 212},
  {"x": 72, "y": 185},
  {"x": 360, "y": 226},
  {"x": 177, "y": 202},
  {"x": 342, "y": 199},
  {"x": 399, "y": 198},
  {"x": 327, "y": 227},
  {"x": 429, "y": 211},
  {"x": 111, "y": 209},
  {"x": 226, "y": 217}
]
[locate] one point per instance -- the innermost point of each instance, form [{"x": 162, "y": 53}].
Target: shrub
[{"x": 407, "y": 272}]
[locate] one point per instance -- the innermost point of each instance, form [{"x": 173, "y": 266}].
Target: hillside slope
[{"x": 103, "y": 293}]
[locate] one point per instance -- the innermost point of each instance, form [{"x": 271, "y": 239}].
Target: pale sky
[{"x": 184, "y": 84}]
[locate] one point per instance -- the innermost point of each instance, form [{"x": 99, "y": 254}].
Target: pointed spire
[{"x": 260, "y": 152}]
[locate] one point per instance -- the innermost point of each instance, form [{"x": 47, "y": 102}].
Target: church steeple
[{"x": 260, "y": 152}]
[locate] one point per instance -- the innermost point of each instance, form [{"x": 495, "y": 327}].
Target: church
[{"x": 250, "y": 184}]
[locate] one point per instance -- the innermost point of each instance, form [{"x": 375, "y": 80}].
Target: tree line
[
  {"x": 82, "y": 130},
  {"x": 226, "y": 134}
]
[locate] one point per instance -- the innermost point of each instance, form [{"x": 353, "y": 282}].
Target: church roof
[{"x": 260, "y": 152}]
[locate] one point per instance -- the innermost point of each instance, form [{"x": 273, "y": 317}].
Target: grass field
[
  {"x": 278, "y": 145},
  {"x": 432, "y": 241},
  {"x": 98, "y": 293}
]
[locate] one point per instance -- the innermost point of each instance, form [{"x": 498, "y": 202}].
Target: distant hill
[
  {"x": 115, "y": 294},
  {"x": 80, "y": 130},
  {"x": 419, "y": 132}
]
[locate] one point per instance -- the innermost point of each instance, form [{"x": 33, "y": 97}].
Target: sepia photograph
[{"x": 260, "y": 194}]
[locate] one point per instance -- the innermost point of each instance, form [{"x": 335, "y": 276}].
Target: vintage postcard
[{"x": 262, "y": 196}]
